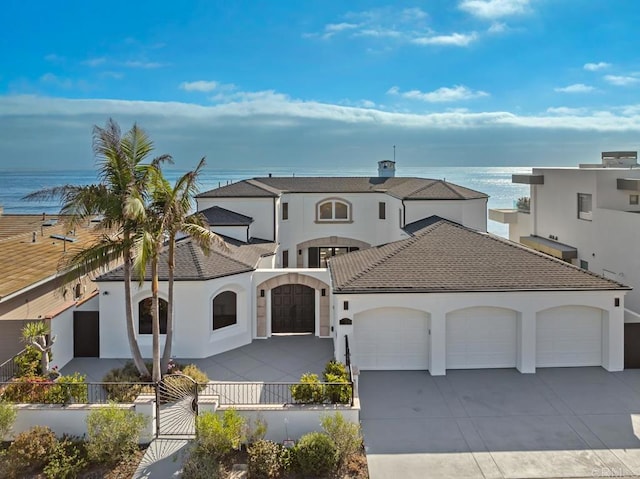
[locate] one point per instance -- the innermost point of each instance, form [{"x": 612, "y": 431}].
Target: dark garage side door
[
  {"x": 632, "y": 345},
  {"x": 86, "y": 334}
]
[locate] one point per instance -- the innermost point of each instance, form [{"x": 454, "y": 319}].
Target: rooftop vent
[{"x": 64, "y": 238}]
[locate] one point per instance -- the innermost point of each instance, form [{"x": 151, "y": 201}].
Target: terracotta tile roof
[
  {"x": 447, "y": 257},
  {"x": 403, "y": 188},
  {"x": 217, "y": 216},
  {"x": 23, "y": 262},
  {"x": 193, "y": 265}
]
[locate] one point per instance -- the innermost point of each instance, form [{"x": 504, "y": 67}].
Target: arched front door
[{"x": 293, "y": 308}]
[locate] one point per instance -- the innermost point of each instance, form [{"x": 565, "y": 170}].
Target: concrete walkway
[
  {"x": 277, "y": 359},
  {"x": 163, "y": 459},
  {"x": 568, "y": 422}
]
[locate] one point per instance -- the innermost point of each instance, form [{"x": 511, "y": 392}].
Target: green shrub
[
  {"x": 256, "y": 430},
  {"x": 113, "y": 433},
  {"x": 200, "y": 465},
  {"x": 197, "y": 375},
  {"x": 310, "y": 391},
  {"x": 346, "y": 436},
  {"x": 265, "y": 459},
  {"x": 217, "y": 435},
  {"x": 39, "y": 390},
  {"x": 7, "y": 418},
  {"x": 315, "y": 455},
  {"x": 123, "y": 393},
  {"x": 339, "y": 392},
  {"x": 336, "y": 372},
  {"x": 335, "y": 368},
  {"x": 29, "y": 362},
  {"x": 30, "y": 450},
  {"x": 66, "y": 461}
]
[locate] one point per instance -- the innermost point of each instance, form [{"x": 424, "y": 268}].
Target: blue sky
[{"x": 248, "y": 83}]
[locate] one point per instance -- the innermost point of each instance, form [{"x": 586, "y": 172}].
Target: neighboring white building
[
  {"x": 590, "y": 216},
  {"x": 401, "y": 266}
]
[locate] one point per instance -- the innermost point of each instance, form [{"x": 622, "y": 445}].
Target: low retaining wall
[
  {"x": 72, "y": 419},
  {"x": 293, "y": 421}
]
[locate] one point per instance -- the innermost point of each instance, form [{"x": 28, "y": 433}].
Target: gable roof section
[
  {"x": 217, "y": 216},
  {"x": 447, "y": 257},
  {"x": 402, "y": 188},
  {"x": 193, "y": 265}
]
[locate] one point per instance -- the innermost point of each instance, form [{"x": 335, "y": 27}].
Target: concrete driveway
[{"x": 567, "y": 422}]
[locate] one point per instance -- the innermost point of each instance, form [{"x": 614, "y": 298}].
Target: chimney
[{"x": 386, "y": 169}]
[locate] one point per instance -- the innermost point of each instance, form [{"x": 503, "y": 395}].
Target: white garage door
[
  {"x": 481, "y": 338},
  {"x": 569, "y": 336},
  {"x": 391, "y": 338}
]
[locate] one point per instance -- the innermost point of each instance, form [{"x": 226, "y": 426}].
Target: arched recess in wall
[{"x": 264, "y": 289}]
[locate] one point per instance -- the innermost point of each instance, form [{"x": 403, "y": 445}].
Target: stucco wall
[
  {"x": 260, "y": 209},
  {"x": 525, "y": 304},
  {"x": 193, "y": 318}
]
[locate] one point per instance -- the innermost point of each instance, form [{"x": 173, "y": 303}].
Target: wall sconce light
[
  {"x": 262, "y": 293},
  {"x": 105, "y": 293}
]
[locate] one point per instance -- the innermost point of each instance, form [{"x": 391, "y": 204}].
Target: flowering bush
[{"x": 40, "y": 390}]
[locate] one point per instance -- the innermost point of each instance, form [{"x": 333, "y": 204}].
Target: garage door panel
[
  {"x": 569, "y": 336},
  {"x": 481, "y": 338},
  {"x": 389, "y": 338}
]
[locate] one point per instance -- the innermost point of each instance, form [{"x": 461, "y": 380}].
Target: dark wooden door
[
  {"x": 293, "y": 309},
  {"x": 632, "y": 345},
  {"x": 86, "y": 334}
]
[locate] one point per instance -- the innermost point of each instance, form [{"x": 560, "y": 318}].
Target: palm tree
[
  {"x": 120, "y": 198},
  {"x": 168, "y": 214}
]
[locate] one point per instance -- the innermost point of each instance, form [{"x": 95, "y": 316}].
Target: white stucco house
[
  {"x": 589, "y": 216},
  {"x": 402, "y": 267}
]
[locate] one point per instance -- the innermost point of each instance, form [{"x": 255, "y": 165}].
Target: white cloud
[
  {"x": 592, "y": 67},
  {"x": 54, "y": 58},
  {"x": 575, "y": 88},
  {"x": 454, "y": 39},
  {"x": 57, "y": 81},
  {"x": 144, "y": 64},
  {"x": 200, "y": 85},
  {"x": 94, "y": 62},
  {"x": 402, "y": 26},
  {"x": 493, "y": 9},
  {"x": 498, "y": 27},
  {"x": 620, "y": 80},
  {"x": 564, "y": 110},
  {"x": 112, "y": 74},
  {"x": 275, "y": 130},
  {"x": 441, "y": 95}
]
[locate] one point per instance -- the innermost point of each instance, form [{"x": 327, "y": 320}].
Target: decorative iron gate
[{"x": 176, "y": 405}]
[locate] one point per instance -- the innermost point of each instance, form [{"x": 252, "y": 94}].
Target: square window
[
  {"x": 633, "y": 199},
  {"x": 584, "y": 264}
]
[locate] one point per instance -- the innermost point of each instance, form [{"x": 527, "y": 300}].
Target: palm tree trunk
[
  {"x": 166, "y": 355},
  {"x": 131, "y": 332},
  {"x": 156, "y": 374}
]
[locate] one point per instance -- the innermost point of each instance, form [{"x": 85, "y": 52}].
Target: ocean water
[{"x": 494, "y": 181}]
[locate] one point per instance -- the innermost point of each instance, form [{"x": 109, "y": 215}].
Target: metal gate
[{"x": 176, "y": 405}]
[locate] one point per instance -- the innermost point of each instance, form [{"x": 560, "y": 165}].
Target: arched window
[
  {"x": 224, "y": 310},
  {"x": 333, "y": 209},
  {"x": 144, "y": 316}
]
